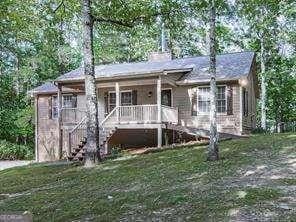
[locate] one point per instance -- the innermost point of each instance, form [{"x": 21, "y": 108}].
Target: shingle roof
[
  {"x": 230, "y": 66},
  {"x": 47, "y": 87}
]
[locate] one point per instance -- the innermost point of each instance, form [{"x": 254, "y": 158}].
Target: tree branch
[
  {"x": 112, "y": 21},
  {"x": 133, "y": 22},
  {"x": 59, "y": 6}
]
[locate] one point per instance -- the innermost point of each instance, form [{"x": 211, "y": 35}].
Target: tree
[
  {"x": 213, "y": 150},
  {"x": 92, "y": 154}
]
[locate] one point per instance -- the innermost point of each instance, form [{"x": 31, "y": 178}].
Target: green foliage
[
  {"x": 11, "y": 151},
  {"x": 40, "y": 40},
  {"x": 281, "y": 94}
]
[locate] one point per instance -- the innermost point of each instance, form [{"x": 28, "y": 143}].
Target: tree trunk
[
  {"x": 213, "y": 151},
  {"x": 263, "y": 85},
  {"x": 92, "y": 154}
]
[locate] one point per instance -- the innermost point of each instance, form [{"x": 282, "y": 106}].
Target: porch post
[
  {"x": 159, "y": 129},
  {"x": 36, "y": 129},
  {"x": 117, "y": 92},
  {"x": 60, "y": 134}
]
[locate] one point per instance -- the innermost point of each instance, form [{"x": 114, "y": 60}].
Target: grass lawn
[{"x": 254, "y": 180}]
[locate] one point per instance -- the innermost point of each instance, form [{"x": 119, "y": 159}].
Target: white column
[
  {"x": 241, "y": 110},
  {"x": 60, "y": 139},
  {"x": 158, "y": 94},
  {"x": 117, "y": 92},
  {"x": 159, "y": 129},
  {"x": 36, "y": 129}
]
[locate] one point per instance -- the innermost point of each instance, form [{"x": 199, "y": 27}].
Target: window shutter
[
  {"x": 74, "y": 101},
  {"x": 134, "y": 97},
  {"x": 229, "y": 100},
  {"x": 245, "y": 102},
  {"x": 194, "y": 103},
  {"x": 106, "y": 103},
  {"x": 50, "y": 107}
]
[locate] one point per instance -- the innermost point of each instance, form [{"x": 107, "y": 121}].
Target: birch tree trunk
[
  {"x": 92, "y": 154},
  {"x": 213, "y": 151},
  {"x": 263, "y": 85}
]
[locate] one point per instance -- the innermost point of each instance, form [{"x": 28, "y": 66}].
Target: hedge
[{"x": 11, "y": 151}]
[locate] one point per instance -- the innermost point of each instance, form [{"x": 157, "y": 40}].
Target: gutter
[{"x": 194, "y": 82}]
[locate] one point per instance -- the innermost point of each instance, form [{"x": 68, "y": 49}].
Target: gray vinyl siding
[
  {"x": 181, "y": 99},
  {"x": 249, "y": 121},
  {"x": 226, "y": 123}
]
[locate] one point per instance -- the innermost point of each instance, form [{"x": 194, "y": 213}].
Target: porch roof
[{"x": 231, "y": 66}]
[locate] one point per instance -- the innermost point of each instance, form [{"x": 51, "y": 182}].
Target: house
[{"x": 160, "y": 101}]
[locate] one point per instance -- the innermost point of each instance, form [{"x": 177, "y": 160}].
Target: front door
[{"x": 166, "y": 97}]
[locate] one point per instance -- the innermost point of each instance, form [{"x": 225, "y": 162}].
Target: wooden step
[
  {"x": 78, "y": 149},
  {"x": 70, "y": 158},
  {"x": 74, "y": 153}
]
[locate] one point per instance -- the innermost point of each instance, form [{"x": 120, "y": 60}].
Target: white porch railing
[
  {"x": 141, "y": 114},
  {"x": 132, "y": 114},
  {"x": 136, "y": 114},
  {"x": 126, "y": 114},
  {"x": 169, "y": 114}
]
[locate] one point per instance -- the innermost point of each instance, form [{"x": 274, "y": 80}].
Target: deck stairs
[{"x": 78, "y": 153}]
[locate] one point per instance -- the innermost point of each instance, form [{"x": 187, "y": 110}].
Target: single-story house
[{"x": 143, "y": 104}]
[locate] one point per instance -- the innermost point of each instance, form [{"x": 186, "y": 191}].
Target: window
[
  {"x": 166, "y": 97},
  {"x": 112, "y": 101},
  {"x": 54, "y": 107},
  {"x": 125, "y": 97},
  {"x": 203, "y": 100},
  {"x": 69, "y": 101},
  {"x": 221, "y": 99}
]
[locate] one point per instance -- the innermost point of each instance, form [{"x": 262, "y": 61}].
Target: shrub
[
  {"x": 259, "y": 130},
  {"x": 11, "y": 151}
]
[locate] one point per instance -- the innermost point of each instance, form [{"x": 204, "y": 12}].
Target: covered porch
[{"x": 128, "y": 104}]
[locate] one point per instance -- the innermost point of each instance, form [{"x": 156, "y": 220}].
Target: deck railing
[
  {"x": 76, "y": 135},
  {"x": 169, "y": 114},
  {"x": 138, "y": 113},
  {"x": 135, "y": 114}
]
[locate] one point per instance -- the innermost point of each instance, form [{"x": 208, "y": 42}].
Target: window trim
[
  {"x": 207, "y": 86},
  {"x": 54, "y": 97},
  {"x": 171, "y": 89},
  {"x": 245, "y": 102},
  {"x": 121, "y": 91},
  {"x": 68, "y": 94},
  {"x": 57, "y": 105}
]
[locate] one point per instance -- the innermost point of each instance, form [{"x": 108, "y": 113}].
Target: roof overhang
[
  {"x": 121, "y": 76},
  {"x": 204, "y": 81}
]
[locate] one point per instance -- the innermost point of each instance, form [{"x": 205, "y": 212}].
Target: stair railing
[{"x": 76, "y": 135}]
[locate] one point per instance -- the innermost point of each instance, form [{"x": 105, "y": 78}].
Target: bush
[
  {"x": 11, "y": 151},
  {"x": 259, "y": 130}
]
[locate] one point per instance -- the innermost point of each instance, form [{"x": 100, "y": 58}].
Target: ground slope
[{"x": 254, "y": 180}]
